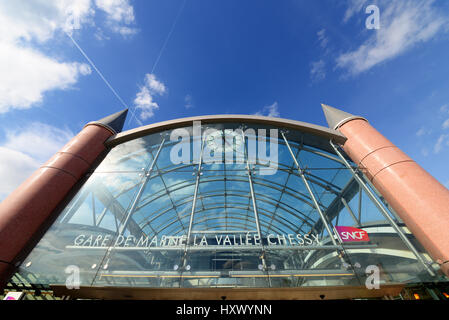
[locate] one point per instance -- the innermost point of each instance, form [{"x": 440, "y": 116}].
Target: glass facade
[{"x": 155, "y": 213}]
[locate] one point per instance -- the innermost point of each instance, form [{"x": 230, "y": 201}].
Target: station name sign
[{"x": 248, "y": 239}]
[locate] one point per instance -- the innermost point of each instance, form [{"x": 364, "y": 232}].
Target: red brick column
[
  {"x": 417, "y": 197},
  {"x": 25, "y": 210}
]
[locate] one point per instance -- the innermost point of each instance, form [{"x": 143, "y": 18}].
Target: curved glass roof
[{"x": 224, "y": 201}]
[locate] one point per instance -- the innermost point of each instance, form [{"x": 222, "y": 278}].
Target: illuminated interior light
[
  {"x": 289, "y": 275},
  {"x": 152, "y": 276}
]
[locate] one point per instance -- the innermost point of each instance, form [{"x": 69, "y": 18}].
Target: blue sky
[{"x": 178, "y": 58}]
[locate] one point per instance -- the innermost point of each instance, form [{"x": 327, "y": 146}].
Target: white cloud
[
  {"x": 154, "y": 85},
  {"x": 270, "y": 111},
  {"x": 404, "y": 24},
  {"x": 355, "y": 6},
  {"x": 120, "y": 15},
  {"x": 25, "y": 150},
  {"x": 423, "y": 131},
  {"x": 144, "y": 102},
  {"x": 317, "y": 70},
  {"x": 443, "y": 140},
  {"x": 124, "y": 31},
  {"x": 117, "y": 10},
  {"x": 322, "y": 38},
  {"x": 144, "y": 98},
  {"x": 26, "y": 73},
  {"x": 446, "y": 124},
  {"x": 40, "y": 19},
  {"x": 15, "y": 167},
  {"x": 420, "y": 132},
  {"x": 424, "y": 152}
]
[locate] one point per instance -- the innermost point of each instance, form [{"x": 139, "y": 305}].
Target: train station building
[{"x": 234, "y": 206}]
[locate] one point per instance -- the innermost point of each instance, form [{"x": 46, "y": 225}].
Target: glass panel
[{"x": 84, "y": 229}]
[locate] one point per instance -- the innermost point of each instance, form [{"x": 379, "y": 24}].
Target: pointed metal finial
[
  {"x": 114, "y": 121},
  {"x": 336, "y": 118}
]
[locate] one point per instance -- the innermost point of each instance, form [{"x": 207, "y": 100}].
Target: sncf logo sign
[{"x": 350, "y": 234}]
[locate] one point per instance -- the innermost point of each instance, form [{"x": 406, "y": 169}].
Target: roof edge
[{"x": 135, "y": 133}]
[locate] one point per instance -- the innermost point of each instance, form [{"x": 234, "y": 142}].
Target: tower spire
[
  {"x": 114, "y": 121},
  {"x": 336, "y": 117}
]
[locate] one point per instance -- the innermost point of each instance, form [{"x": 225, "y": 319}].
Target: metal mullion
[
  {"x": 319, "y": 198},
  {"x": 334, "y": 188},
  {"x": 337, "y": 217},
  {"x": 104, "y": 195},
  {"x": 121, "y": 192},
  {"x": 260, "y": 182},
  {"x": 100, "y": 218},
  {"x": 234, "y": 217},
  {"x": 283, "y": 189},
  {"x": 350, "y": 211},
  {"x": 173, "y": 168},
  {"x": 225, "y": 174},
  {"x": 165, "y": 193},
  {"x": 236, "y": 193},
  {"x": 159, "y": 174},
  {"x": 312, "y": 187},
  {"x": 172, "y": 222},
  {"x": 93, "y": 209},
  {"x": 330, "y": 182},
  {"x": 325, "y": 184},
  {"x": 302, "y": 216},
  {"x": 141, "y": 189},
  {"x": 147, "y": 222},
  {"x": 360, "y": 203},
  {"x": 222, "y": 232},
  {"x": 253, "y": 199},
  {"x": 273, "y": 185},
  {"x": 243, "y": 208},
  {"x": 195, "y": 194},
  {"x": 168, "y": 194},
  {"x": 235, "y": 224},
  {"x": 383, "y": 211},
  {"x": 247, "y": 211},
  {"x": 322, "y": 154},
  {"x": 202, "y": 198},
  {"x": 323, "y": 218},
  {"x": 74, "y": 208},
  {"x": 154, "y": 232},
  {"x": 116, "y": 223},
  {"x": 277, "y": 220}
]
